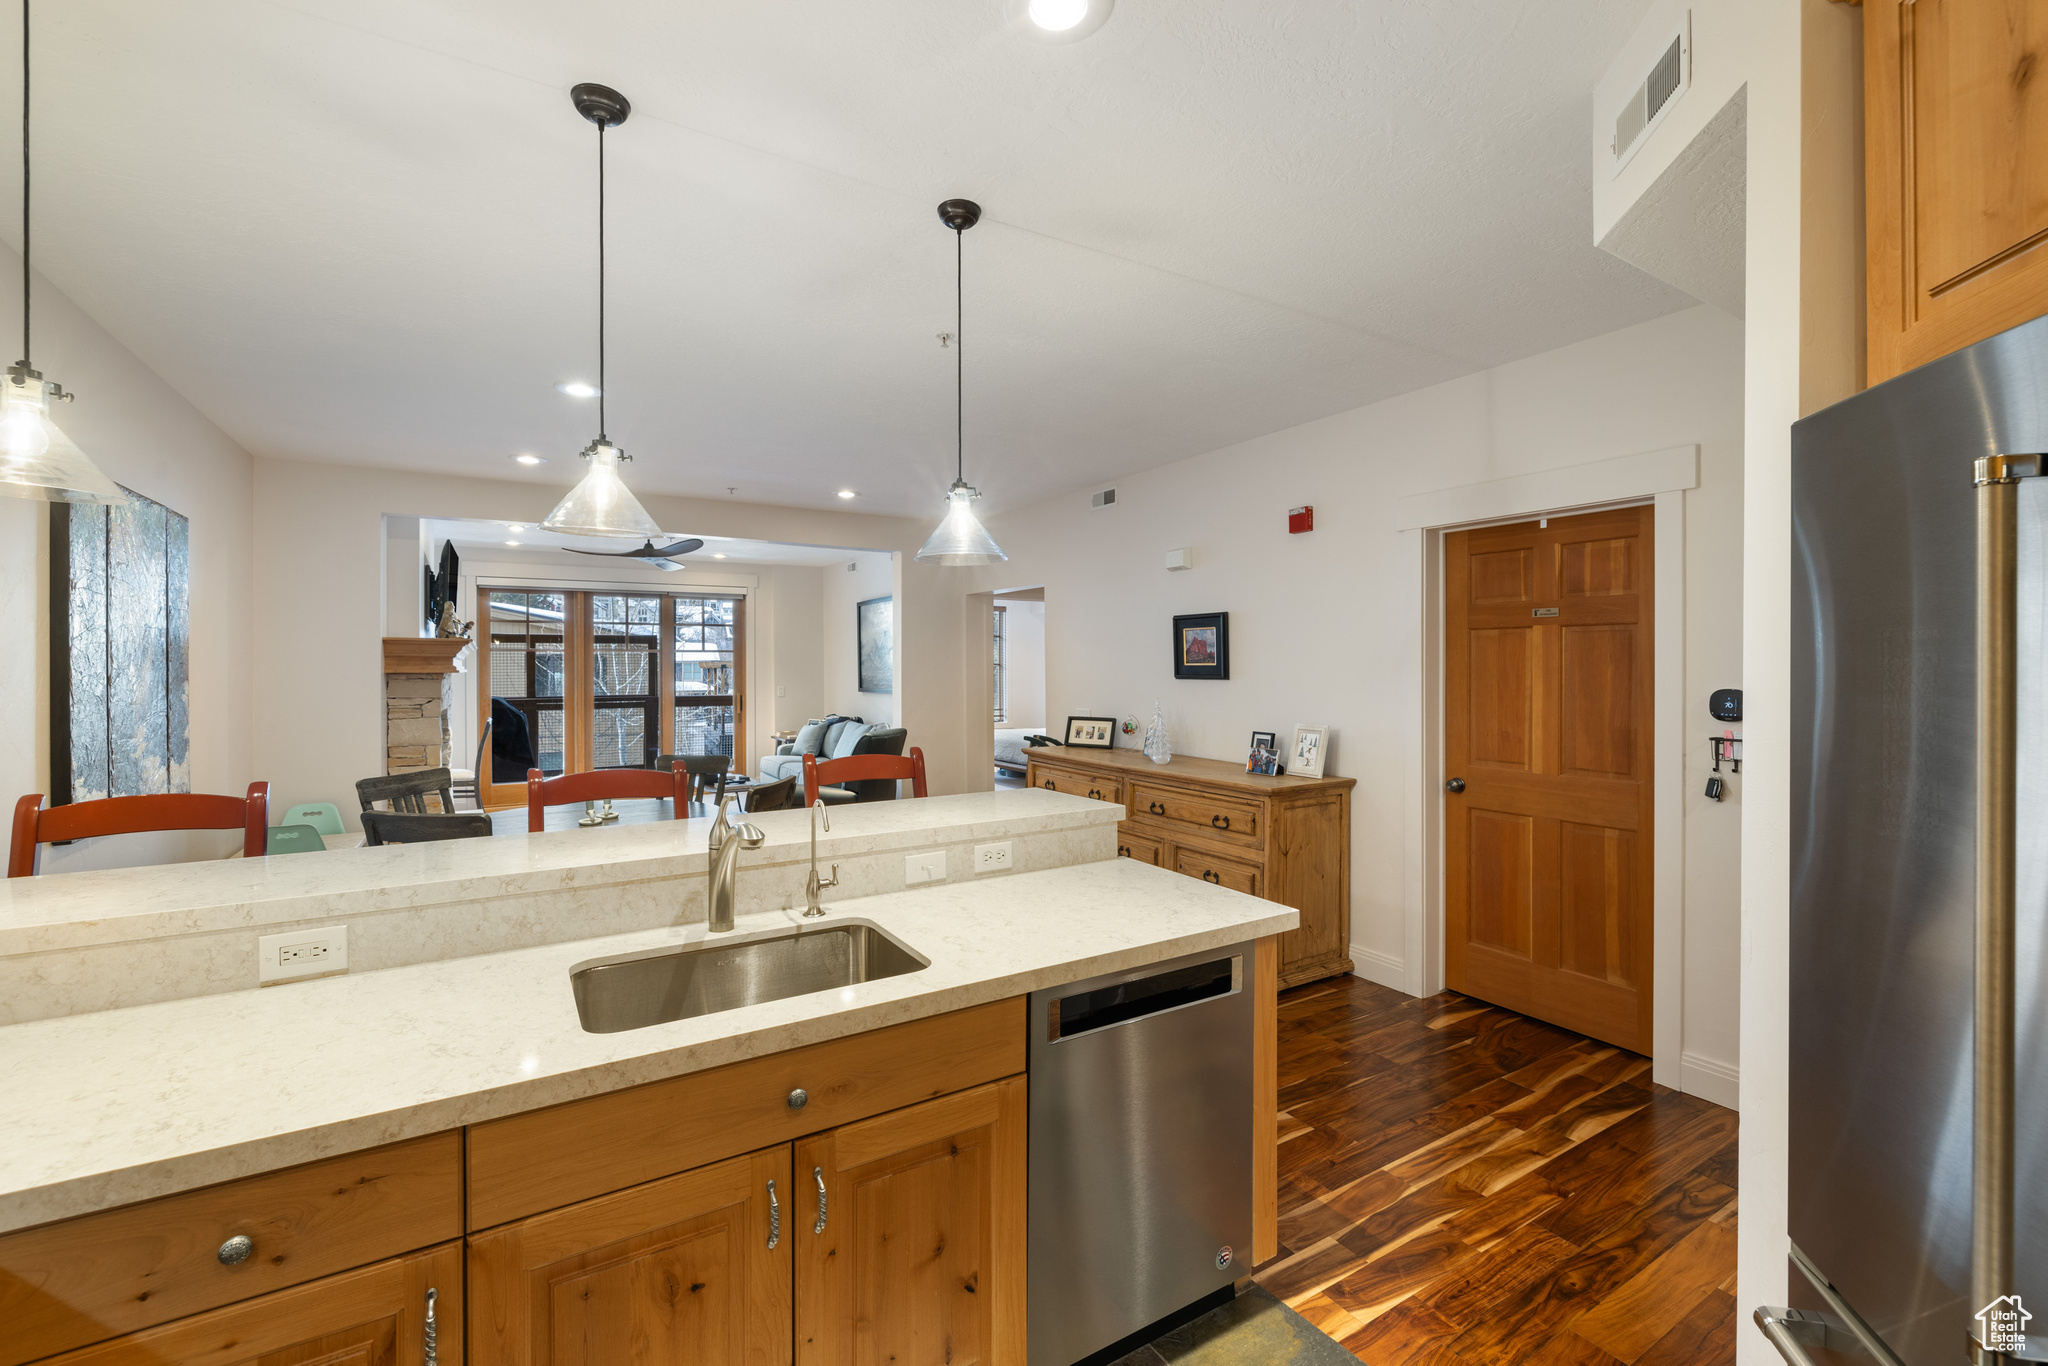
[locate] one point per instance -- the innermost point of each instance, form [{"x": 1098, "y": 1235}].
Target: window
[
  {"x": 1002, "y": 682},
  {"x": 706, "y": 698}
]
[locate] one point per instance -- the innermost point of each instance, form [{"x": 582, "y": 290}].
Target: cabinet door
[
  {"x": 374, "y": 1316},
  {"x": 911, "y": 1234},
  {"x": 690, "y": 1270},
  {"x": 1078, "y": 782}
]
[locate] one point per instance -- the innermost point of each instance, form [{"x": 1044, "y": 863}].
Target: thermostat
[{"x": 1725, "y": 704}]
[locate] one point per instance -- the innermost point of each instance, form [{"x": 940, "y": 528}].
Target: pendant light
[
  {"x": 36, "y": 459},
  {"x": 601, "y": 505},
  {"x": 960, "y": 539}
]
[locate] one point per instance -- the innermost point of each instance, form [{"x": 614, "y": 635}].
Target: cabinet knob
[
  {"x": 236, "y": 1250},
  {"x": 799, "y": 1098}
]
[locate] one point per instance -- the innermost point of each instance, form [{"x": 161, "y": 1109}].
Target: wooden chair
[
  {"x": 409, "y": 791},
  {"x": 409, "y": 827},
  {"x": 704, "y": 769},
  {"x": 779, "y": 795},
  {"x": 36, "y": 825},
  {"x": 606, "y": 784},
  {"x": 858, "y": 767}
]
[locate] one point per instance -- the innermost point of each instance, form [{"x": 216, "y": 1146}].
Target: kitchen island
[{"x": 441, "y": 1124}]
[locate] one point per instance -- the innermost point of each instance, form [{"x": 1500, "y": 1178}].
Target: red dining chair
[
  {"x": 605, "y": 784},
  {"x": 36, "y": 825},
  {"x": 860, "y": 767}
]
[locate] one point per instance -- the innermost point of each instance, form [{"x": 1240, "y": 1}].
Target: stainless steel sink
[{"x": 707, "y": 978}]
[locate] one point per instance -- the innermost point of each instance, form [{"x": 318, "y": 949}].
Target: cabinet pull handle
[
  {"x": 818, "y": 1173},
  {"x": 235, "y": 1250},
  {"x": 1156, "y": 808},
  {"x": 1046, "y": 783},
  {"x": 1123, "y": 851},
  {"x": 432, "y": 1333},
  {"x": 774, "y": 1215},
  {"x": 1219, "y": 821},
  {"x": 1095, "y": 794},
  {"x": 1209, "y": 875}
]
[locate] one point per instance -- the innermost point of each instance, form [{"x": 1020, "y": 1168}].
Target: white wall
[
  {"x": 1327, "y": 626},
  {"x": 148, "y": 438},
  {"x": 795, "y": 676},
  {"x": 1024, "y": 663},
  {"x": 871, "y": 576}
]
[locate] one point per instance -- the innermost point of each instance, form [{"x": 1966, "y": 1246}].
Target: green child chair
[
  {"x": 324, "y": 817},
  {"x": 293, "y": 839}
]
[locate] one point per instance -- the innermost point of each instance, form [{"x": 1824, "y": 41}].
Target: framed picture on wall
[
  {"x": 1091, "y": 732},
  {"x": 1201, "y": 645},
  {"x": 875, "y": 624}
]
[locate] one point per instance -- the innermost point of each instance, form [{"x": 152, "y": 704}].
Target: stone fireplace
[{"x": 419, "y": 703}]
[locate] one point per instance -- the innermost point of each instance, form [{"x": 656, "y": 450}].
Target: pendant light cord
[
  {"x": 24, "y": 187},
  {"x": 600, "y": 283},
  {"x": 959, "y": 361}
]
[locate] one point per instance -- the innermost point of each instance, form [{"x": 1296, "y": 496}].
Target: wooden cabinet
[
  {"x": 910, "y": 1243},
  {"x": 691, "y": 1270},
  {"x": 68, "y": 1284},
  {"x": 1284, "y": 839},
  {"x": 1955, "y": 174},
  {"x": 374, "y": 1316}
]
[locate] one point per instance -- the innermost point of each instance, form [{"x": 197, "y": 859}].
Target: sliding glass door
[{"x": 578, "y": 680}]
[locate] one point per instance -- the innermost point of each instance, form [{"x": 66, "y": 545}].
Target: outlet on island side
[
  {"x": 301, "y": 953},
  {"x": 992, "y": 858},
  {"x": 926, "y": 867}
]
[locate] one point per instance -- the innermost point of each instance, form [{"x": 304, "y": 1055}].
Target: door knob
[{"x": 1455, "y": 785}]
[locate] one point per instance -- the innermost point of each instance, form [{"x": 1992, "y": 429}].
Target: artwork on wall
[
  {"x": 1201, "y": 645},
  {"x": 119, "y": 634},
  {"x": 1091, "y": 732},
  {"x": 875, "y": 623}
]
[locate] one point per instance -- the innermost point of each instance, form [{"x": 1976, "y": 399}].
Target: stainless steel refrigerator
[{"x": 1919, "y": 1089}]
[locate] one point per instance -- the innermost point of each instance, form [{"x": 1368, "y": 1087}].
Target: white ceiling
[
  {"x": 362, "y": 230},
  {"x": 492, "y": 540}
]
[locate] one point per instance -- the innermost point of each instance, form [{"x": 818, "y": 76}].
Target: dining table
[{"x": 629, "y": 810}]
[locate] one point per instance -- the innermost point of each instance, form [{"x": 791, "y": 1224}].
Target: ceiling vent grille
[
  {"x": 1106, "y": 498},
  {"x": 1647, "y": 104}
]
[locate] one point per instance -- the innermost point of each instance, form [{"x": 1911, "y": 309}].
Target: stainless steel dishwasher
[{"x": 1141, "y": 1148}]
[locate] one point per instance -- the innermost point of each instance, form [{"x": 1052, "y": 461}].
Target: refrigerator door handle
[{"x": 1793, "y": 1332}]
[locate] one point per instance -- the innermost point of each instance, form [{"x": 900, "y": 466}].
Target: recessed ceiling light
[
  {"x": 576, "y": 388},
  {"x": 511, "y": 543},
  {"x": 531, "y": 459},
  {"x": 846, "y": 493},
  {"x": 514, "y": 526},
  {"x": 717, "y": 556},
  {"x": 1057, "y": 16},
  {"x": 1062, "y": 21}
]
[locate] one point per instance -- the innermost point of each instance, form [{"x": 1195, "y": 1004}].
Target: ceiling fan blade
[
  {"x": 608, "y": 554},
  {"x": 682, "y": 547}
]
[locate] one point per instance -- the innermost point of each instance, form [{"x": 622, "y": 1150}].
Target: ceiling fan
[{"x": 658, "y": 556}]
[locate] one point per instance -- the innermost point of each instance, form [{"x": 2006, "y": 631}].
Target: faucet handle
[{"x": 749, "y": 835}]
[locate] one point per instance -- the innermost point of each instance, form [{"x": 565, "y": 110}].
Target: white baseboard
[
  {"x": 1710, "y": 1080},
  {"x": 1381, "y": 968}
]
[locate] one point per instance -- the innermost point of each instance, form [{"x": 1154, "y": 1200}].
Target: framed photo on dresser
[{"x": 1091, "y": 732}]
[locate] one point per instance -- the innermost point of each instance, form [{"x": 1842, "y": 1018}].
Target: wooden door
[
  {"x": 911, "y": 1235},
  {"x": 1547, "y": 690},
  {"x": 690, "y": 1270},
  {"x": 1956, "y": 175},
  {"x": 374, "y": 1316}
]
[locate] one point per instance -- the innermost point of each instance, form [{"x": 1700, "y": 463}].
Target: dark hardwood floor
[{"x": 1463, "y": 1186}]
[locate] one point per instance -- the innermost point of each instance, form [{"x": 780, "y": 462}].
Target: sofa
[{"x": 831, "y": 737}]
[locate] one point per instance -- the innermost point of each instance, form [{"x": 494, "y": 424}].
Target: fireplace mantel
[{"x": 419, "y": 655}]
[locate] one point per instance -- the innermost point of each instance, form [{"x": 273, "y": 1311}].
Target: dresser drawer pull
[
  {"x": 1123, "y": 851},
  {"x": 431, "y": 1333},
  {"x": 1047, "y": 783},
  {"x": 799, "y": 1098},
  {"x": 774, "y": 1215},
  {"x": 236, "y": 1250},
  {"x": 818, "y": 1174},
  {"x": 1219, "y": 821},
  {"x": 1095, "y": 793},
  {"x": 1156, "y": 808},
  {"x": 1209, "y": 875}
]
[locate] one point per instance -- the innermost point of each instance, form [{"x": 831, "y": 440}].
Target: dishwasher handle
[{"x": 1084, "y": 1012}]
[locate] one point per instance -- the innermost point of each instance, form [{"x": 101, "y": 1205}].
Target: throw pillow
[
  {"x": 848, "y": 738},
  {"x": 809, "y": 738}
]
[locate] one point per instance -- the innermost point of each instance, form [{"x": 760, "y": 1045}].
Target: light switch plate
[
  {"x": 301, "y": 953},
  {"x": 926, "y": 867}
]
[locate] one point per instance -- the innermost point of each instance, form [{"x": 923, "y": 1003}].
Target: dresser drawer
[
  {"x": 99, "y": 1275},
  {"x": 527, "y": 1163},
  {"x": 1224, "y": 872},
  {"x": 1078, "y": 783},
  {"x": 1215, "y": 817},
  {"x": 1133, "y": 845}
]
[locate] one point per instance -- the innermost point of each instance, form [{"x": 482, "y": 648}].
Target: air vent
[
  {"x": 1104, "y": 499},
  {"x": 1647, "y": 103}
]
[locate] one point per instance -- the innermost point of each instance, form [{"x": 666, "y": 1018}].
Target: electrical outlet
[
  {"x": 991, "y": 858},
  {"x": 928, "y": 867},
  {"x": 301, "y": 953}
]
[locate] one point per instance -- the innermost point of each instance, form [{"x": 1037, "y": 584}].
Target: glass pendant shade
[
  {"x": 37, "y": 460},
  {"x": 961, "y": 539},
  {"x": 602, "y": 505}
]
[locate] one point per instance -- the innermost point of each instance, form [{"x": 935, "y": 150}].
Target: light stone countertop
[
  {"x": 122, "y": 1105},
  {"x": 73, "y": 910}
]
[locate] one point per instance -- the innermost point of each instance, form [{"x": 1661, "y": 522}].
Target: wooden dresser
[{"x": 1284, "y": 839}]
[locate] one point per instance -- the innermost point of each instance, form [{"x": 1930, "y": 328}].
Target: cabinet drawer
[
  {"x": 1076, "y": 782},
  {"x": 1229, "y": 819},
  {"x": 1224, "y": 872},
  {"x": 65, "y": 1285},
  {"x": 527, "y": 1163},
  {"x": 1132, "y": 845}
]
